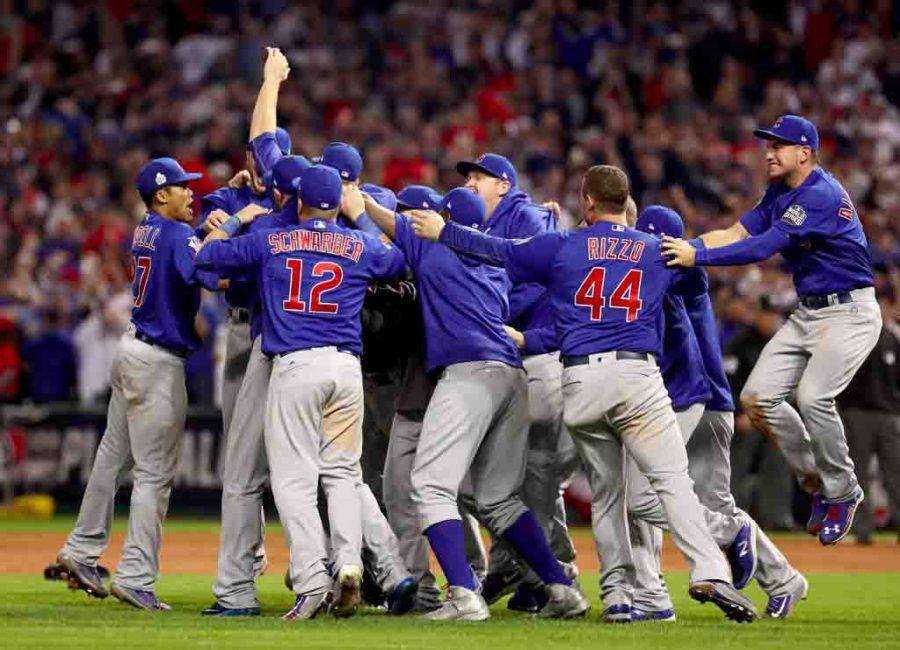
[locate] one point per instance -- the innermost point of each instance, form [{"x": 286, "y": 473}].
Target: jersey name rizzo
[
  {"x": 330, "y": 243},
  {"x": 614, "y": 248}
]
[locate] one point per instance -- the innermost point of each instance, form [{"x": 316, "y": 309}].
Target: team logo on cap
[
  {"x": 345, "y": 174},
  {"x": 160, "y": 178},
  {"x": 794, "y": 215},
  {"x": 480, "y": 158},
  {"x": 324, "y": 205},
  {"x": 777, "y": 123}
]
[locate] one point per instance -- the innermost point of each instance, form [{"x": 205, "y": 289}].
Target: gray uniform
[
  {"x": 144, "y": 424},
  {"x": 613, "y": 404},
  {"x": 815, "y": 353}
]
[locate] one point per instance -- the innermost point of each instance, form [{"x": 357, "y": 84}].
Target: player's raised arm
[
  {"x": 385, "y": 219},
  {"x": 263, "y": 119}
]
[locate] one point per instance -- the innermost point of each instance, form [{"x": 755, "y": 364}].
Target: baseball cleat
[
  {"x": 403, "y": 596},
  {"x": 657, "y": 615},
  {"x": 838, "y": 519},
  {"x": 496, "y": 585},
  {"x": 428, "y": 599},
  {"x": 347, "y": 595},
  {"x": 217, "y": 609},
  {"x": 461, "y": 605},
  {"x": 523, "y": 600},
  {"x": 818, "y": 509},
  {"x": 370, "y": 592},
  {"x": 564, "y": 601},
  {"x": 741, "y": 554},
  {"x": 723, "y": 595},
  {"x": 80, "y": 576},
  {"x": 138, "y": 598},
  {"x": 617, "y": 614},
  {"x": 308, "y": 606},
  {"x": 782, "y": 606},
  {"x": 260, "y": 562}
]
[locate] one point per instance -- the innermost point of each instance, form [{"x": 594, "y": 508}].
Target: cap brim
[
  {"x": 465, "y": 167},
  {"x": 766, "y": 134},
  {"x": 187, "y": 177}
]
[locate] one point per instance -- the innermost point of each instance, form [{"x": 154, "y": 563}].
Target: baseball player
[
  {"x": 149, "y": 400},
  {"x": 606, "y": 284},
  {"x": 475, "y": 421},
  {"x": 512, "y": 215},
  {"x": 807, "y": 216},
  {"x": 313, "y": 280}
]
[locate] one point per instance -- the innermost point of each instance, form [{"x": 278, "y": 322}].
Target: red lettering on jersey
[
  {"x": 847, "y": 211},
  {"x": 304, "y": 239},
  {"x": 611, "y": 251},
  {"x": 627, "y": 295},
  {"x": 327, "y": 241},
  {"x": 316, "y": 304},
  {"x": 357, "y": 250},
  {"x": 626, "y": 246},
  {"x": 601, "y": 252},
  {"x": 637, "y": 252},
  {"x": 274, "y": 243},
  {"x": 593, "y": 247}
]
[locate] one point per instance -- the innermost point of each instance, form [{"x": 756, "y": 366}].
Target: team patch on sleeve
[
  {"x": 794, "y": 215},
  {"x": 194, "y": 243}
]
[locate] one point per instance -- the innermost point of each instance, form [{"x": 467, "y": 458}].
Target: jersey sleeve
[
  {"x": 386, "y": 259},
  {"x": 541, "y": 340},
  {"x": 265, "y": 152},
  {"x": 525, "y": 260},
  {"x": 758, "y": 219},
  {"x": 747, "y": 251},
  {"x": 186, "y": 246},
  {"x": 524, "y": 295},
  {"x": 406, "y": 239},
  {"x": 689, "y": 282},
  {"x": 815, "y": 211},
  {"x": 227, "y": 256}
]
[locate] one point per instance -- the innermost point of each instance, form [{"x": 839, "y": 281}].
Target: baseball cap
[
  {"x": 792, "y": 129},
  {"x": 344, "y": 158},
  {"x": 320, "y": 187},
  {"x": 382, "y": 195},
  {"x": 159, "y": 173},
  {"x": 415, "y": 197},
  {"x": 464, "y": 207},
  {"x": 658, "y": 220},
  {"x": 286, "y": 170},
  {"x": 492, "y": 164},
  {"x": 283, "y": 140}
]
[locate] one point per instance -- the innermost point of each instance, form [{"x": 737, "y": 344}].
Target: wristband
[
  {"x": 231, "y": 226},
  {"x": 698, "y": 243}
]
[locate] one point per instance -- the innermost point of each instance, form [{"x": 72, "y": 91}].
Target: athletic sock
[
  {"x": 527, "y": 537},
  {"x": 448, "y": 543}
]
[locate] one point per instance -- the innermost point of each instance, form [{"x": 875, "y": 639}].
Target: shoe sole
[
  {"x": 348, "y": 603},
  {"x": 470, "y": 616},
  {"x": 707, "y": 593},
  {"x": 70, "y": 575},
  {"x": 846, "y": 528}
]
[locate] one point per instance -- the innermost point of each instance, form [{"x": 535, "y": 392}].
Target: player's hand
[
  {"x": 250, "y": 212},
  {"x": 517, "y": 337},
  {"x": 239, "y": 180},
  {"x": 553, "y": 206},
  {"x": 679, "y": 252},
  {"x": 215, "y": 219},
  {"x": 427, "y": 224},
  {"x": 276, "y": 67},
  {"x": 353, "y": 203}
]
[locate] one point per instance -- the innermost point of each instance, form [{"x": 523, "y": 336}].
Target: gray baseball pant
[
  {"x": 475, "y": 424},
  {"x": 815, "y": 353},
  {"x": 551, "y": 460},
  {"x": 611, "y": 404},
  {"x": 313, "y": 433},
  {"x": 144, "y": 424}
]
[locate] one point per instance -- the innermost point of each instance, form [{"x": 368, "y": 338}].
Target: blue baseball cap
[
  {"x": 658, "y": 220},
  {"x": 159, "y": 173},
  {"x": 283, "y": 140},
  {"x": 344, "y": 158},
  {"x": 383, "y": 196},
  {"x": 792, "y": 129},
  {"x": 464, "y": 207},
  {"x": 286, "y": 170},
  {"x": 320, "y": 187},
  {"x": 492, "y": 164},
  {"x": 418, "y": 197}
]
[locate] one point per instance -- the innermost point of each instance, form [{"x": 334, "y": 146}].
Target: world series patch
[{"x": 794, "y": 215}]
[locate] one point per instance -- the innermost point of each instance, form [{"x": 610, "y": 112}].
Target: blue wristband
[
  {"x": 698, "y": 243},
  {"x": 231, "y": 226}
]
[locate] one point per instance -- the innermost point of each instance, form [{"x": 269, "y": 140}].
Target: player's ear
[{"x": 505, "y": 187}]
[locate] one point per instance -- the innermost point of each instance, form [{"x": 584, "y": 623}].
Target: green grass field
[{"x": 844, "y": 611}]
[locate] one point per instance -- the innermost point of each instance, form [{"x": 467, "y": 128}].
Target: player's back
[
  {"x": 607, "y": 287},
  {"x": 314, "y": 277}
]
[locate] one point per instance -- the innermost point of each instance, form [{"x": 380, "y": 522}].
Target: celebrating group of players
[{"x": 530, "y": 351}]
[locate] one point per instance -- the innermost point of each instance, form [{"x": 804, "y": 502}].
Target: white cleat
[
  {"x": 461, "y": 605},
  {"x": 564, "y": 601},
  {"x": 347, "y": 591}
]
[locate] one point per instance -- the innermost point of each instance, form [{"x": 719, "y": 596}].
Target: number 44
[{"x": 627, "y": 295}]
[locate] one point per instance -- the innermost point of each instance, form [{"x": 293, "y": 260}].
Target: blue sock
[
  {"x": 527, "y": 537},
  {"x": 448, "y": 543}
]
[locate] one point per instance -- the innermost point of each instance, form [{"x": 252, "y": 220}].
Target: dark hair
[
  {"x": 607, "y": 185},
  {"x": 315, "y": 213}
]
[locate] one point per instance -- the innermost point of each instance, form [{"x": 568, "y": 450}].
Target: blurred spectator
[{"x": 49, "y": 361}]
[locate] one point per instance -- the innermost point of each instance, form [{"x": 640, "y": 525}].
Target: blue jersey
[
  {"x": 606, "y": 282},
  {"x": 681, "y": 362},
  {"x": 463, "y": 305},
  {"x": 516, "y": 217},
  {"x": 232, "y": 201},
  {"x": 703, "y": 320},
  {"x": 166, "y": 286},
  {"x": 827, "y": 250},
  {"x": 313, "y": 279},
  {"x": 266, "y": 152}
]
